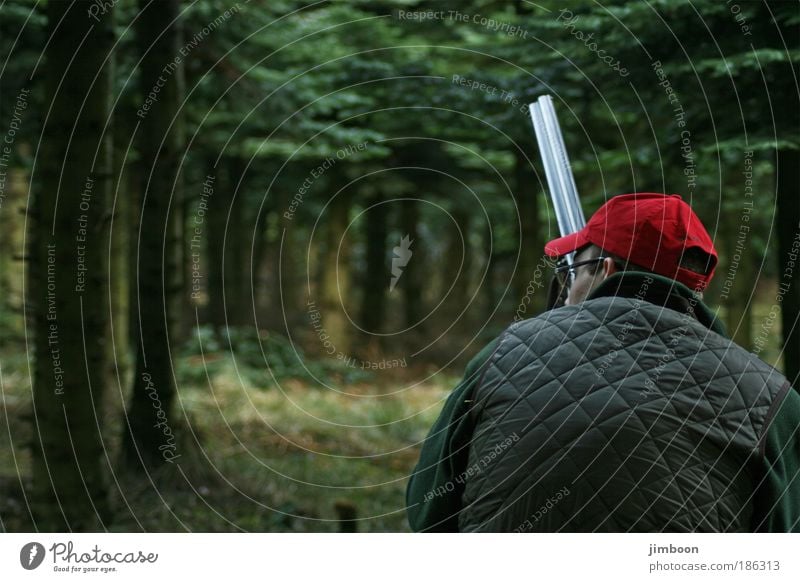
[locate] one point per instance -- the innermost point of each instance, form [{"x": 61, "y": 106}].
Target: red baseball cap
[{"x": 649, "y": 230}]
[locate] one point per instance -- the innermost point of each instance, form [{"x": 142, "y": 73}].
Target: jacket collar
[{"x": 660, "y": 291}]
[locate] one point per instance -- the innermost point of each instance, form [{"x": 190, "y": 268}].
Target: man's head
[
  {"x": 647, "y": 232},
  {"x": 590, "y": 267}
]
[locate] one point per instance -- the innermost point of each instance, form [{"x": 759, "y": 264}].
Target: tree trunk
[
  {"x": 228, "y": 252},
  {"x": 184, "y": 207},
  {"x": 530, "y": 298},
  {"x": 69, "y": 277},
  {"x": 12, "y": 203},
  {"x": 457, "y": 269},
  {"x": 119, "y": 274},
  {"x": 218, "y": 205},
  {"x": 237, "y": 266},
  {"x": 373, "y": 297},
  {"x": 739, "y": 260},
  {"x": 134, "y": 187},
  {"x": 334, "y": 291},
  {"x": 788, "y": 226},
  {"x": 150, "y": 436},
  {"x": 260, "y": 292},
  {"x": 409, "y": 257},
  {"x": 489, "y": 285}
]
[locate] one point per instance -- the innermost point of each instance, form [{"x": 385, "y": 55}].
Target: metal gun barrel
[{"x": 557, "y": 168}]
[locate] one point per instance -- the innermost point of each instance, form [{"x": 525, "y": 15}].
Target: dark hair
[{"x": 693, "y": 259}]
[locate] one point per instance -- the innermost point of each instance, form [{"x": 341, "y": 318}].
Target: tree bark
[
  {"x": 218, "y": 205},
  {"x": 738, "y": 300},
  {"x": 529, "y": 298},
  {"x": 12, "y": 201},
  {"x": 410, "y": 277},
  {"x": 69, "y": 277},
  {"x": 260, "y": 291},
  {"x": 237, "y": 259},
  {"x": 457, "y": 270},
  {"x": 229, "y": 301},
  {"x": 150, "y": 437},
  {"x": 373, "y": 297},
  {"x": 184, "y": 206},
  {"x": 119, "y": 274},
  {"x": 788, "y": 226},
  {"x": 335, "y": 281}
]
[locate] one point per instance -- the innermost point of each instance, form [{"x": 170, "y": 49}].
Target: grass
[{"x": 285, "y": 457}]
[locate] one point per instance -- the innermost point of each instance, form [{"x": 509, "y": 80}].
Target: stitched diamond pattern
[{"x": 650, "y": 420}]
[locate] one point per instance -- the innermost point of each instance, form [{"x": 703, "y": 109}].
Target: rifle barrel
[{"x": 557, "y": 168}]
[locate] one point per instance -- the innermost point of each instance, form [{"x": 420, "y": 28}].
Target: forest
[{"x": 247, "y": 247}]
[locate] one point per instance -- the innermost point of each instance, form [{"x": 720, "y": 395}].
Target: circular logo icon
[{"x": 31, "y": 555}]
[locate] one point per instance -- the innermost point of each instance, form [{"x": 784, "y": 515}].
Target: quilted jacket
[{"x": 628, "y": 412}]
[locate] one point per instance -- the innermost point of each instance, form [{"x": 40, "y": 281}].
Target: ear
[{"x": 609, "y": 268}]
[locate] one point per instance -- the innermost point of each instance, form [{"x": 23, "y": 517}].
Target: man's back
[{"x": 617, "y": 415}]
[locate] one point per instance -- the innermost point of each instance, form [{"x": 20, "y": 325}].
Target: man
[{"x": 625, "y": 410}]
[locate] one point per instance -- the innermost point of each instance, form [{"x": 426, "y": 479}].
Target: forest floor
[{"x": 290, "y": 457}]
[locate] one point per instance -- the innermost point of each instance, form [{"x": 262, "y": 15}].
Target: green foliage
[{"x": 261, "y": 358}]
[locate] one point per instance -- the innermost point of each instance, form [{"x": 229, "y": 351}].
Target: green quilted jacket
[{"x": 629, "y": 412}]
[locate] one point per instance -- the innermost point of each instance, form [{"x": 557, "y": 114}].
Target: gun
[{"x": 560, "y": 180}]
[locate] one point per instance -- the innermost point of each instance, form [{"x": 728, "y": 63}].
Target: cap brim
[{"x": 566, "y": 244}]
